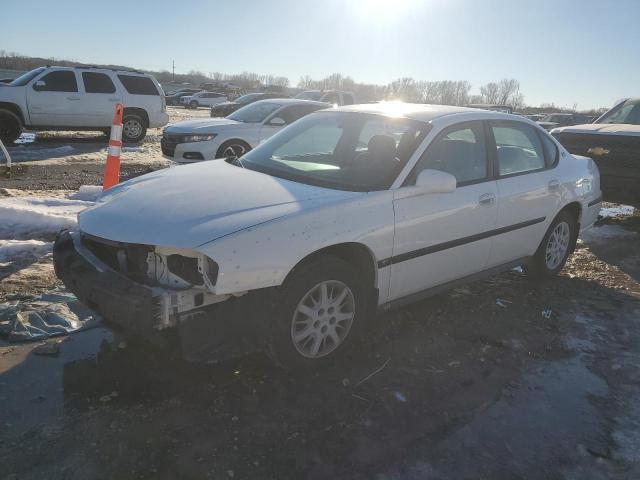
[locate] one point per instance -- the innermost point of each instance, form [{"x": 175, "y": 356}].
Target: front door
[
  {"x": 445, "y": 236},
  {"x": 53, "y": 99}
]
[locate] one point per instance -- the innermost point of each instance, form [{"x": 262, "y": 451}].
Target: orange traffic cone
[{"x": 112, "y": 168}]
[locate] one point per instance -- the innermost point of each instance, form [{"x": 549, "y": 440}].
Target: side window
[
  {"x": 331, "y": 97},
  {"x": 97, "y": 83},
  {"x": 138, "y": 85},
  {"x": 460, "y": 151},
  {"x": 291, "y": 114},
  {"x": 519, "y": 148},
  {"x": 59, "y": 81}
]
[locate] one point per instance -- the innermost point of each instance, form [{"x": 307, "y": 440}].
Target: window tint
[
  {"x": 138, "y": 85},
  {"x": 291, "y": 114},
  {"x": 459, "y": 151},
  {"x": 59, "y": 81},
  {"x": 97, "y": 83},
  {"x": 519, "y": 148}
]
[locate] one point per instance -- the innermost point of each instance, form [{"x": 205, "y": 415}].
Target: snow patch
[
  {"x": 11, "y": 250},
  {"x": 38, "y": 216},
  {"x": 617, "y": 211},
  {"x": 87, "y": 193}
]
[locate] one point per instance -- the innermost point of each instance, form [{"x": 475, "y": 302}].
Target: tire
[
  {"x": 10, "y": 127},
  {"x": 194, "y": 104},
  {"x": 233, "y": 148},
  {"x": 556, "y": 246},
  {"x": 306, "y": 334},
  {"x": 134, "y": 128}
]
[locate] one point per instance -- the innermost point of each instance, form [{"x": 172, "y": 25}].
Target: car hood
[
  {"x": 190, "y": 205},
  {"x": 209, "y": 125},
  {"x": 602, "y": 128}
]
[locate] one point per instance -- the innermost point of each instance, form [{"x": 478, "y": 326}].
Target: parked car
[
  {"x": 65, "y": 98},
  {"x": 174, "y": 98},
  {"x": 295, "y": 245},
  {"x": 203, "y": 99},
  {"x": 613, "y": 141},
  {"x": 206, "y": 139},
  {"x": 536, "y": 117},
  {"x": 334, "y": 97},
  {"x": 225, "y": 108},
  {"x": 554, "y": 120}
]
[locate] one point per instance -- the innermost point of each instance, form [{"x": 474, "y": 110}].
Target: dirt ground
[{"x": 502, "y": 379}]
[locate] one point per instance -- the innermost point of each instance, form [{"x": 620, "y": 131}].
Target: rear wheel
[
  {"x": 10, "y": 127},
  {"x": 194, "y": 104},
  {"x": 134, "y": 128},
  {"x": 555, "y": 248},
  {"x": 321, "y": 314}
]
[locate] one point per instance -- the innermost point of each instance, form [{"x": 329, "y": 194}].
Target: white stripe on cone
[{"x": 116, "y": 132}]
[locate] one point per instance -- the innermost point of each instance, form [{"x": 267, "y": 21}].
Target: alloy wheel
[
  {"x": 323, "y": 318},
  {"x": 558, "y": 245}
]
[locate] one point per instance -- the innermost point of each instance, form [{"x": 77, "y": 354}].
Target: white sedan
[
  {"x": 203, "y": 99},
  {"x": 294, "y": 246},
  {"x": 232, "y": 136}
]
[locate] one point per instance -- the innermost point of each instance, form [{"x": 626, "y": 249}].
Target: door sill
[{"x": 430, "y": 292}]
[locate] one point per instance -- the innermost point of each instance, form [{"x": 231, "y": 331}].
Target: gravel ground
[{"x": 506, "y": 378}]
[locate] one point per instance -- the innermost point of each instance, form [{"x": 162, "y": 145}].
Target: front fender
[{"x": 263, "y": 255}]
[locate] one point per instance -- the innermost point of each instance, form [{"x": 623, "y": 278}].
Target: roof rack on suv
[{"x": 128, "y": 70}]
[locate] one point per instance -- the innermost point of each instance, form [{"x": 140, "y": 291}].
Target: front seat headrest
[{"x": 382, "y": 148}]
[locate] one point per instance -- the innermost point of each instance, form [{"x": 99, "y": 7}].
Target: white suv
[{"x": 67, "y": 98}]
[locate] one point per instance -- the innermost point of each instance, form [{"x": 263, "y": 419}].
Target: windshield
[
  {"x": 309, "y": 95},
  {"x": 554, "y": 118},
  {"x": 626, "y": 112},
  {"x": 254, "y": 112},
  {"x": 339, "y": 150},
  {"x": 26, "y": 77}
]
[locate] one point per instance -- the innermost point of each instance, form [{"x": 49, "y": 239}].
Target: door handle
[
  {"x": 73, "y": 98},
  {"x": 554, "y": 185},
  {"x": 487, "y": 199}
]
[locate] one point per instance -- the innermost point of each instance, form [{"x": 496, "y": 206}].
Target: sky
[{"x": 569, "y": 52}]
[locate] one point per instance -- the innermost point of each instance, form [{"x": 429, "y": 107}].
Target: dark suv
[{"x": 613, "y": 141}]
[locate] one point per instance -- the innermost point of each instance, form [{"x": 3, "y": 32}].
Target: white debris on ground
[
  {"x": 614, "y": 211},
  {"x": 30, "y": 220}
]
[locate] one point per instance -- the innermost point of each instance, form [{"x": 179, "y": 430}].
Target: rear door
[
  {"x": 445, "y": 236},
  {"x": 528, "y": 189},
  {"x": 53, "y": 99},
  {"x": 99, "y": 99}
]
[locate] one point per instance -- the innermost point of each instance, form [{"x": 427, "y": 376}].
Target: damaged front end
[{"x": 136, "y": 286}]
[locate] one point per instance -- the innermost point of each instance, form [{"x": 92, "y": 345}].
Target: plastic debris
[
  {"x": 400, "y": 397},
  {"x": 501, "y": 302},
  {"x": 547, "y": 314},
  {"x": 50, "y": 315}
]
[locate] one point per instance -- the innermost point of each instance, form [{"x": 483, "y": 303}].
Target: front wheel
[
  {"x": 133, "y": 128},
  {"x": 10, "y": 127},
  {"x": 233, "y": 149},
  {"x": 194, "y": 104},
  {"x": 555, "y": 248},
  {"x": 321, "y": 314}
]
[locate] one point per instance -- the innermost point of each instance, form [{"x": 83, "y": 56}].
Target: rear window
[
  {"x": 97, "y": 83},
  {"x": 138, "y": 85}
]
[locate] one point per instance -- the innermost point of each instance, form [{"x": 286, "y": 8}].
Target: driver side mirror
[
  {"x": 435, "y": 181},
  {"x": 39, "y": 85},
  {"x": 277, "y": 122}
]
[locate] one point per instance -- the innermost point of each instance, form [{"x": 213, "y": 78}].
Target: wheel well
[
  {"x": 238, "y": 140},
  {"x": 141, "y": 112},
  {"x": 13, "y": 108},
  {"x": 575, "y": 209},
  {"x": 356, "y": 254}
]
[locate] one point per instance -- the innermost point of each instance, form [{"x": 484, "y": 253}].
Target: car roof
[
  {"x": 294, "y": 101},
  {"x": 419, "y": 111}
]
